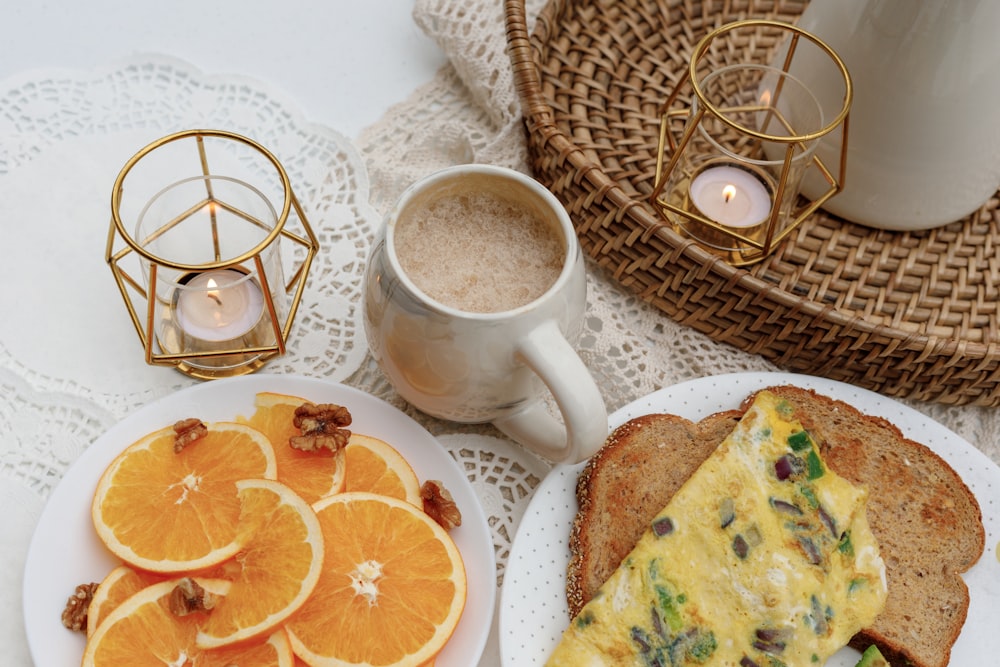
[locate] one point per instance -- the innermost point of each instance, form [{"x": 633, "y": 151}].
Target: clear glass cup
[
  {"x": 217, "y": 271},
  {"x": 733, "y": 171}
]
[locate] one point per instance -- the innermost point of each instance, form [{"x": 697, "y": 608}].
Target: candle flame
[
  {"x": 728, "y": 193},
  {"x": 213, "y": 292}
]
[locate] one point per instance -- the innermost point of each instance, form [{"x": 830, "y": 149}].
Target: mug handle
[{"x": 585, "y": 419}]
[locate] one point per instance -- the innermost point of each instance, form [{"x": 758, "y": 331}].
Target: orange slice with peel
[
  {"x": 167, "y": 511},
  {"x": 375, "y": 466},
  {"x": 391, "y": 592},
  {"x": 313, "y": 475},
  {"x": 117, "y": 586},
  {"x": 275, "y": 651},
  {"x": 300, "y": 663},
  {"x": 143, "y": 630},
  {"x": 276, "y": 570}
]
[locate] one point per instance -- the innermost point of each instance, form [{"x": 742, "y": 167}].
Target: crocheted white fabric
[{"x": 471, "y": 113}]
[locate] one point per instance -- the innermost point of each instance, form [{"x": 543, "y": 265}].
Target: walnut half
[
  {"x": 439, "y": 505},
  {"x": 187, "y": 431},
  {"x": 74, "y": 616},
  {"x": 188, "y": 597},
  {"x": 322, "y": 427}
]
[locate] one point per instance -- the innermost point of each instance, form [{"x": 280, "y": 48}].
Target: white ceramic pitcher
[{"x": 924, "y": 133}]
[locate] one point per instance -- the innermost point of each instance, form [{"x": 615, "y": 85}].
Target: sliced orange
[
  {"x": 391, "y": 592},
  {"x": 375, "y": 466},
  {"x": 167, "y": 511},
  {"x": 276, "y": 651},
  {"x": 300, "y": 663},
  {"x": 143, "y": 631},
  {"x": 313, "y": 475},
  {"x": 117, "y": 586},
  {"x": 276, "y": 570}
]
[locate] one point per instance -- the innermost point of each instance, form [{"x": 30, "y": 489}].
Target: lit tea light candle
[
  {"x": 219, "y": 305},
  {"x": 731, "y": 196}
]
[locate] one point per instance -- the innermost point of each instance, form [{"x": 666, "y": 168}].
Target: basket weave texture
[{"x": 906, "y": 314}]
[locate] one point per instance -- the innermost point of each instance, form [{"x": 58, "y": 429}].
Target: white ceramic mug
[{"x": 478, "y": 367}]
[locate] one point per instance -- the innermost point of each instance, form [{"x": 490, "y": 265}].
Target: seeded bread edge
[
  {"x": 926, "y": 520},
  {"x": 644, "y": 461}
]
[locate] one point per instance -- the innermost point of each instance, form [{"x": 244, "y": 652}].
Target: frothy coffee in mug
[
  {"x": 499, "y": 250},
  {"x": 478, "y": 251}
]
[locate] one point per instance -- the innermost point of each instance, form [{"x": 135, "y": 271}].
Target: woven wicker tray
[{"x": 906, "y": 314}]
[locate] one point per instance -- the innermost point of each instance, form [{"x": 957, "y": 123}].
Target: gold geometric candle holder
[
  {"x": 747, "y": 141},
  {"x": 199, "y": 261}
]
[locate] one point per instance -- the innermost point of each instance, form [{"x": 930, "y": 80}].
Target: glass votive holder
[
  {"x": 211, "y": 299},
  {"x": 748, "y": 138}
]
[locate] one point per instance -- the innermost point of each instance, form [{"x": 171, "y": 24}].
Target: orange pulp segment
[
  {"x": 167, "y": 511},
  {"x": 374, "y": 466},
  {"x": 275, "y": 651},
  {"x": 391, "y": 592},
  {"x": 142, "y": 630},
  {"x": 276, "y": 570},
  {"x": 117, "y": 586},
  {"x": 313, "y": 475}
]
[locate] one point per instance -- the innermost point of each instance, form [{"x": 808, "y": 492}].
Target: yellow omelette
[{"x": 763, "y": 558}]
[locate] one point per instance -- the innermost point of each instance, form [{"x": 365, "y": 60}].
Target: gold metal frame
[
  {"x": 132, "y": 289},
  {"x": 752, "y": 249}
]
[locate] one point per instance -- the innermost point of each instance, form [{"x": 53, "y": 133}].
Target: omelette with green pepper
[{"x": 763, "y": 558}]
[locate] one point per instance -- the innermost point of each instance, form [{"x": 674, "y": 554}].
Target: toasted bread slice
[
  {"x": 743, "y": 567},
  {"x": 927, "y": 521},
  {"x": 630, "y": 479}
]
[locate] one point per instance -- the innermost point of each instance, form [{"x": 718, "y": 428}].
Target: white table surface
[{"x": 344, "y": 62}]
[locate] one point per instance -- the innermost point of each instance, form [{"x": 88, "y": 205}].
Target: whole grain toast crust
[
  {"x": 927, "y": 521},
  {"x": 641, "y": 465}
]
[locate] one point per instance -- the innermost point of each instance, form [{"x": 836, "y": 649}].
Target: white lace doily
[
  {"x": 70, "y": 362},
  {"x": 67, "y": 351}
]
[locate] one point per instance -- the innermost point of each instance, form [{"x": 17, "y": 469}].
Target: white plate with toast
[
  {"x": 533, "y": 608},
  {"x": 65, "y": 550}
]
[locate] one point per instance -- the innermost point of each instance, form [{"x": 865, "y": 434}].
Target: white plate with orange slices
[{"x": 66, "y": 550}]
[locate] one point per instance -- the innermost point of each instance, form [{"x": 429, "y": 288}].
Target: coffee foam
[{"x": 478, "y": 251}]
